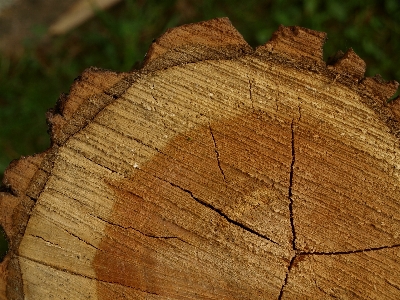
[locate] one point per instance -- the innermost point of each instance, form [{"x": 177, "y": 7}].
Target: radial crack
[
  {"x": 290, "y": 196},
  {"x": 290, "y": 188},
  {"x": 218, "y": 211},
  {"x": 286, "y": 277},
  {"x": 217, "y": 154},
  {"x": 350, "y": 252}
]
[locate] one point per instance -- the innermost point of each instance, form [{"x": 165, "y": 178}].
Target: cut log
[{"x": 214, "y": 172}]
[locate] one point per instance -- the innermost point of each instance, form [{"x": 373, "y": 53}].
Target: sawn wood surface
[{"x": 214, "y": 172}]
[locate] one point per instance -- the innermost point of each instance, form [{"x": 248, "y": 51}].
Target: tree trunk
[{"x": 214, "y": 172}]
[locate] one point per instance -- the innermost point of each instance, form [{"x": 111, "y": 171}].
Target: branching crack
[
  {"x": 290, "y": 196},
  {"x": 222, "y": 214},
  {"x": 286, "y": 277},
  {"x": 217, "y": 154}
]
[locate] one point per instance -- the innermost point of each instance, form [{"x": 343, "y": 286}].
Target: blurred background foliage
[{"x": 118, "y": 39}]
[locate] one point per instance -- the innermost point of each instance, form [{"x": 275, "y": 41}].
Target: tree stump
[{"x": 214, "y": 172}]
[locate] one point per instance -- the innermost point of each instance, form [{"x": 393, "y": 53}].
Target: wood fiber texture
[{"x": 214, "y": 172}]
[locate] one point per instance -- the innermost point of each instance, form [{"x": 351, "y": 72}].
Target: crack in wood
[
  {"x": 290, "y": 188},
  {"x": 318, "y": 287},
  {"x": 251, "y": 93},
  {"x": 234, "y": 222},
  {"x": 74, "y": 235},
  {"x": 217, "y": 153},
  {"x": 246, "y": 228},
  {"x": 96, "y": 163},
  {"x": 290, "y": 196},
  {"x": 222, "y": 214},
  {"x": 393, "y": 285},
  {"x": 82, "y": 240},
  {"x": 56, "y": 267},
  {"x": 349, "y": 252},
  {"x": 286, "y": 277},
  {"x": 137, "y": 230},
  {"x": 46, "y": 241},
  {"x": 56, "y": 245}
]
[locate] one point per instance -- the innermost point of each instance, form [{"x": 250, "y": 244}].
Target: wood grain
[{"x": 215, "y": 172}]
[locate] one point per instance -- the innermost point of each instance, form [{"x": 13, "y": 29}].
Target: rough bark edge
[
  {"x": 295, "y": 43},
  {"x": 14, "y": 215},
  {"x": 376, "y": 93},
  {"x": 208, "y": 40},
  {"x": 89, "y": 94},
  {"x": 302, "y": 48},
  {"x": 294, "y": 46},
  {"x": 24, "y": 179}
]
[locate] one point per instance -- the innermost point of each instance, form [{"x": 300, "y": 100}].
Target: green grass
[{"x": 119, "y": 38}]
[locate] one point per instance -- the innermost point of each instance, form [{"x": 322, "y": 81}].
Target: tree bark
[{"x": 214, "y": 172}]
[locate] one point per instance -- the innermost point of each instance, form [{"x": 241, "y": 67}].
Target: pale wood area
[{"x": 214, "y": 172}]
